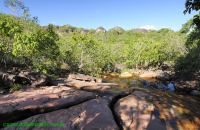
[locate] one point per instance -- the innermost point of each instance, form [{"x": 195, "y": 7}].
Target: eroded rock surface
[
  {"x": 101, "y": 88},
  {"x": 83, "y": 77},
  {"x": 81, "y": 103},
  {"x": 22, "y": 104},
  {"x": 91, "y": 115},
  {"x": 136, "y": 113},
  {"x": 36, "y": 78},
  {"x": 24, "y": 77}
]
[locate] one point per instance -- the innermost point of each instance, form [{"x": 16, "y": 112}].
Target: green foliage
[
  {"x": 190, "y": 63},
  {"x": 86, "y": 51},
  {"x": 40, "y": 47},
  {"x": 9, "y": 27},
  {"x": 15, "y": 87},
  {"x": 154, "y": 48},
  {"x": 24, "y": 41},
  {"x": 196, "y": 21},
  {"x": 83, "y": 53},
  {"x": 191, "y": 5},
  {"x": 18, "y": 5},
  {"x": 94, "y": 53},
  {"x": 187, "y": 26}
]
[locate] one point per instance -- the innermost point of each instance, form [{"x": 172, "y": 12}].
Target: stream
[
  {"x": 177, "y": 110},
  {"x": 134, "y": 80}
]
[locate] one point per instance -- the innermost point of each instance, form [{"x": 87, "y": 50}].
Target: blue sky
[{"x": 109, "y": 13}]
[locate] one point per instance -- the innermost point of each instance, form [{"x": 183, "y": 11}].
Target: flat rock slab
[
  {"x": 21, "y": 104},
  {"x": 83, "y": 77},
  {"x": 136, "y": 113},
  {"x": 102, "y": 88},
  {"x": 91, "y": 115}
]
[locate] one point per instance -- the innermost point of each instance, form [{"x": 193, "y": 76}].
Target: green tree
[
  {"x": 9, "y": 27},
  {"x": 191, "y": 5},
  {"x": 39, "y": 46},
  {"x": 18, "y": 5}
]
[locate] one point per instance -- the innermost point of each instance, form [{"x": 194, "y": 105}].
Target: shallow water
[
  {"x": 127, "y": 82},
  {"x": 177, "y": 111}
]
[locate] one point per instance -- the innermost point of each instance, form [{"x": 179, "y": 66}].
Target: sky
[{"x": 127, "y": 14}]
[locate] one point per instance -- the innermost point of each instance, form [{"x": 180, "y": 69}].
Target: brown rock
[
  {"x": 83, "y": 77},
  {"x": 135, "y": 112},
  {"x": 9, "y": 79},
  {"x": 22, "y": 104},
  {"x": 148, "y": 74},
  {"x": 36, "y": 78},
  {"x": 159, "y": 74},
  {"x": 102, "y": 88},
  {"x": 91, "y": 115}
]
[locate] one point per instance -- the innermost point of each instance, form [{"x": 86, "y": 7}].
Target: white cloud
[{"x": 149, "y": 27}]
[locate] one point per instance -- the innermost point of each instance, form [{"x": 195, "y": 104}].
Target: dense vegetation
[
  {"x": 189, "y": 64},
  {"x": 23, "y": 42},
  {"x": 52, "y": 47}
]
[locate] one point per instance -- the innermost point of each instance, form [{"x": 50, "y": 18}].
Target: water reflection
[
  {"x": 138, "y": 82},
  {"x": 176, "y": 110}
]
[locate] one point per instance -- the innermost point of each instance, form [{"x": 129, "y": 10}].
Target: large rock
[
  {"x": 24, "y": 77},
  {"x": 136, "y": 113},
  {"x": 106, "y": 90},
  {"x": 91, "y": 115},
  {"x": 101, "y": 88},
  {"x": 21, "y": 104},
  {"x": 36, "y": 78},
  {"x": 148, "y": 74},
  {"x": 9, "y": 79},
  {"x": 159, "y": 74},
  {"x": 88, "y": 86}
]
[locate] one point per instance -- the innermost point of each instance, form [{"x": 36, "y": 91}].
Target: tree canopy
[{"x": 191, "y": 5}]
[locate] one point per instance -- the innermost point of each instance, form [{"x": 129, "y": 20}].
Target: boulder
[
  {"x": 136, "y": 113},
  {"x": 91, "y": 115},
  {"x": 148, "y": 74},
  {"x": 21, "y": 104},
  {"x": 9, "y": 79},
  {"x": 159, "y": 74},
  {"x": 36, "y": 78},
  {"x": 126, "y": 75},
  {"x": 24, "y": 77}
]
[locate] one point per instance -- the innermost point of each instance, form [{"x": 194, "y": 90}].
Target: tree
[
  {"x": 9, "y": 27},
  {"x": 18, "y": 5},
  {"x": 186, "y": 27},
  {"x": 39, "y": 47},
  {"x": 191, "y": 5}
]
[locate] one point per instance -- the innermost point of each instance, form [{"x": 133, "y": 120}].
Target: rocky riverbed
[{"x": 84, "y": 102}]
